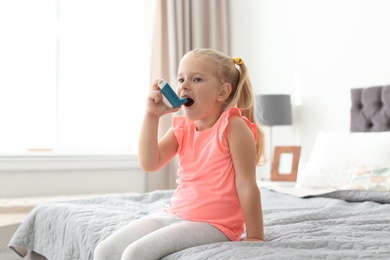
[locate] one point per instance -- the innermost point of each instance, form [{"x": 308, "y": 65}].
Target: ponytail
[{"x": 243, "y": 98}]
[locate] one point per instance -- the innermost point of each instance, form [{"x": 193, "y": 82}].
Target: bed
[{"x": 352, "y": 221}]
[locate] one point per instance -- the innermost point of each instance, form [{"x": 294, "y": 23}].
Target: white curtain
[
  {"x": 180, "y": 26},
  {"x": 70, "y": 73}
]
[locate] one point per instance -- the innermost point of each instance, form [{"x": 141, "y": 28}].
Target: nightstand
[
  {"x": 275, "y": 184},
  {"x": 280, "y": 186}
]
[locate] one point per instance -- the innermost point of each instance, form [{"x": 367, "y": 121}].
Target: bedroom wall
[{"x": 316, "y": 51}]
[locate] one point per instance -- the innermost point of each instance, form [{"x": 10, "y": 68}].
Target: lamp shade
[{"x": 274, "y": 110}]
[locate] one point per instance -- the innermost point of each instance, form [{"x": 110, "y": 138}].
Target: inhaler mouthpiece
[{"x": 171, "y": 96}]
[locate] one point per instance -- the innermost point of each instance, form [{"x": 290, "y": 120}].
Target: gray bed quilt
[{"x": 338, "y": 225}]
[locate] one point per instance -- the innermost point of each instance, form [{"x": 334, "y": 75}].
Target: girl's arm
[
  {"x": 152, "y": 153},
  {"x": 243, "y": 150}
]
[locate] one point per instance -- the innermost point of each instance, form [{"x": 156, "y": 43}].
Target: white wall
[{"x": 319, "y": 48}]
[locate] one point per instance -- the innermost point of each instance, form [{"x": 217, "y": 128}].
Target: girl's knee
[
  {"x": 138, "y": 251},
  {"x": 99, "y": 252},
  {"x": 105, "y": 251}
]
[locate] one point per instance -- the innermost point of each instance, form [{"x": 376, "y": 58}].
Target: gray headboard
[{"x": 370, "y": 111}]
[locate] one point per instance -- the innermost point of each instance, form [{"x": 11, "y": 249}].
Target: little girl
[{"x": 218, "y": 144}]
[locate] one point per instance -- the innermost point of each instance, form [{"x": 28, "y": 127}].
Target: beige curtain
[{"x": 180, "y": 26}]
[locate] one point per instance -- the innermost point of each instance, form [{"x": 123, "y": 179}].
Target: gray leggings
[{"x": 155, "y": 236}]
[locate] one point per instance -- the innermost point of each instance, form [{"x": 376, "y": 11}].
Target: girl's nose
[{"x": 184, "y": 85}]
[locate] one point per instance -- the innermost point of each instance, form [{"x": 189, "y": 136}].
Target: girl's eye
[
  {"x": 180, "y": 80},
  {"x": 197, "y": 79}
]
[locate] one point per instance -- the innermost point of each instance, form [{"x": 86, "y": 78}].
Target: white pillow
[{"x": 334, "y": 153}]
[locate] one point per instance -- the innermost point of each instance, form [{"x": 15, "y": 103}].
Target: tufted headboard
[{"x": 370, "y": 111}]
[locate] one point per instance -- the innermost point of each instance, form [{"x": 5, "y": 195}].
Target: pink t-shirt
[{"x": 206, "y": 188}]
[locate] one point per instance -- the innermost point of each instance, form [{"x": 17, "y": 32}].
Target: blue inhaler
[{"x": 171, "y": 96}]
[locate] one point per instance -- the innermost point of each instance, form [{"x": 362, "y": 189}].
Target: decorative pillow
[
  {"x": 334, "y": 154},
  {"x": 369, "y": 178}
]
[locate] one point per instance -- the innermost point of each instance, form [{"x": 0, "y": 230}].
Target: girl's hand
[{"x": 155, "y": 102}]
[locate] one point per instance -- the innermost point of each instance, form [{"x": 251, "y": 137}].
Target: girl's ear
[{"x": 224, "y": 92}]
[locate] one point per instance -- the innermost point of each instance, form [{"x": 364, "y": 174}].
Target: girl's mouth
[{"x": 189, "y": 102}]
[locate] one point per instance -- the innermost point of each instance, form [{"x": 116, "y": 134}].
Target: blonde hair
[{"x": 233, "y": 71}]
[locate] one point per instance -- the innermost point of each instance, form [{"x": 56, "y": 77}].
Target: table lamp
[{"x": 273, "y": 110}]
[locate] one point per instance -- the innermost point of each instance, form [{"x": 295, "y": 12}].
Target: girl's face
[{"x": 197, "y": 80}]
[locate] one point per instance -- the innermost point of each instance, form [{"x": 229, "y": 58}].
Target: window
[{"x": 73, "y": 75}]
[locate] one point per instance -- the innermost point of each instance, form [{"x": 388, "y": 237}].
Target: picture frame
[{"x": 285, "y": 163}]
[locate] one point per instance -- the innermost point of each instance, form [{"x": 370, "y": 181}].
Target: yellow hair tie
[{"x": 238, "y": 61}]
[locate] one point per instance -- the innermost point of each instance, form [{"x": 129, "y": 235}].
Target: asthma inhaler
[{"x": 171, "y": 96}]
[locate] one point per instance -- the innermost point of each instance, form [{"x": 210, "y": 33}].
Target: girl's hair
[{"x": 234, "y": 72}]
